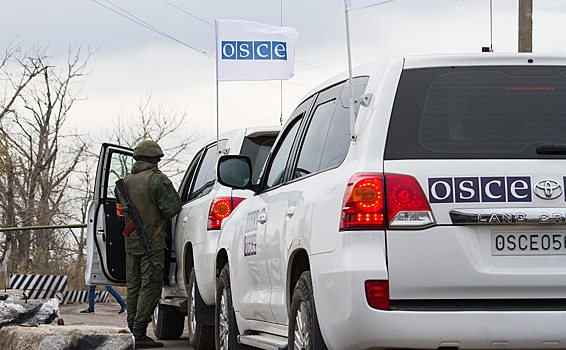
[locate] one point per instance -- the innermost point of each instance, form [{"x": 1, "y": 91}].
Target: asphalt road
[{"x": 107, "y": 314}]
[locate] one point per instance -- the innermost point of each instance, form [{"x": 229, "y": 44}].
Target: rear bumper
[{"x": 347, "y": 321}]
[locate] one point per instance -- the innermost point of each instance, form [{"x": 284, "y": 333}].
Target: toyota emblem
[{"x": 548, "y": 189}]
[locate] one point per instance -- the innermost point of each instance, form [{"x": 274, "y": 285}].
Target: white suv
[
  {"x": 441, "y": 225},
  {"x": 190, "y": 282}
]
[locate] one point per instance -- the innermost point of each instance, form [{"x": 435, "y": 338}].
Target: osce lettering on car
[
  {"x": 251, "y": 221},
  {"x": 250, "y": 244},
  {"x": 254, "y": 50},
  {"x": 480, "y": 189},
  {"x": 435, "y": 218}
]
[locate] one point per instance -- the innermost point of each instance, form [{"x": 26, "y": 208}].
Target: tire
[
  {"x": 304, "y": 331},
  {"x": 168, "y": 324},
  {"x": 201, "y": 337},
  {"x": 226, "y": 330}
]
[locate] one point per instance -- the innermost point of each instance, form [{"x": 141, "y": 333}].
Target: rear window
[
  {"x": 257, "y": 148},
  {"x": 478, "y": 113}
]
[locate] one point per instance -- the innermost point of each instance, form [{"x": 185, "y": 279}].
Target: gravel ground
[{"x": 107, "y": 314}]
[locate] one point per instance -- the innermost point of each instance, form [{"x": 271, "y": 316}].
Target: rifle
[{"x": 131, "y": 208}]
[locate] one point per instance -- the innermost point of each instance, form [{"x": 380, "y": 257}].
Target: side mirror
[{"x": 235, "y": 171}]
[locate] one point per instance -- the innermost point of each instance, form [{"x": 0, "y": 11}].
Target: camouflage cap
[{"x": 147, "y": 148}]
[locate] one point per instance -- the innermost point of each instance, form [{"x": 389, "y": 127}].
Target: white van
[{"x": 441, "y": 225}]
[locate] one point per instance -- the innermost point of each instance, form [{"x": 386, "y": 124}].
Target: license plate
[{"x": 528, "y": 243}]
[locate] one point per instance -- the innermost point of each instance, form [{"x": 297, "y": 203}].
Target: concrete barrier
[
  {"x": 46, "y": 337},
  {"x": 39, "y": 286}
]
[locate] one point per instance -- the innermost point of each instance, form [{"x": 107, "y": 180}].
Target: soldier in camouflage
[{"x": 156, "y": 201}]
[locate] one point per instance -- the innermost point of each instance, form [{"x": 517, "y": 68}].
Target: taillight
[
  {"x": 407, "y": 205},
  {"x": 370, "y": 202},
  {"x": 363, "y": 203},
  {"x": 377, "y": 294},
  {"x": 221, "y": 208}
]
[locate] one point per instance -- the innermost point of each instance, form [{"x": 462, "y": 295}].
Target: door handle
[
  {"x": 290, "y": 211},
  {"x": 184, "y": 221},
  {"x": 262, "y": 218}
]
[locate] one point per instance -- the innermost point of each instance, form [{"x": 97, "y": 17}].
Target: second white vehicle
[{"x": 189, "y": 286}]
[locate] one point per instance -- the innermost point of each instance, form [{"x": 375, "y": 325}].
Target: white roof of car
[{"x": 447, "y": 60}]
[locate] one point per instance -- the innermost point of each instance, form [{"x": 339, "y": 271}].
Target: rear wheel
[
  {"x": 304, "y": 332},
  {"x": 201, "y": 337},
  {"x": 168, "y": 323}
]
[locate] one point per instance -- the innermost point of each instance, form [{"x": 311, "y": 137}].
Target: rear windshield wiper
[{"x": 551, "y": 149}]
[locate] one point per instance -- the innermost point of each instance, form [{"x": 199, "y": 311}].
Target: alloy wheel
[
  {"x": 301, "y": 334},
  {"x": 223, "y": 322}
]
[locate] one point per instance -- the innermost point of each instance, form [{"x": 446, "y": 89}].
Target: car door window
[
  {"x": 185, "y": 189},
  {"x": 276, "y": 174},
  {"x": 338, "y": 138},
  {"x": 313, "y": 143},
  {"x": 309, "y": 159},
  {"x": 120, "y": 165},
  {"x": 205, "y": 179}
]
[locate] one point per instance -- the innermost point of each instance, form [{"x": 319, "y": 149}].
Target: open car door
[{"x": 106, "y": 258}]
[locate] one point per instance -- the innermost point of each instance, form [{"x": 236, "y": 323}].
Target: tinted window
[
  {"x": 189, "y": 176},
  {"x": 276, "y": 174},
  {"x": 257, "y": 148},
  {"x": 309, "y": 159},
  {"x": 205, "y": 179},
  {"x": 478, "y": 112},
  {"x": 327, "y": 139},
  {"x": 338, "y": 138}
]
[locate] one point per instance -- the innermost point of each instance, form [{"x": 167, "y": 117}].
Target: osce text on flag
[{"x": 254, "y": 50}]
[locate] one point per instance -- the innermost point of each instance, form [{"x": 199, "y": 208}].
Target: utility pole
[{"x": 525, "y": 25}]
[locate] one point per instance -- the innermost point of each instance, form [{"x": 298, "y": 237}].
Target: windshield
[{"x": 257, "y": 148}]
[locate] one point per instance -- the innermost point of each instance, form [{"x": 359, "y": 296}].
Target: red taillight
[
  {"x": 377, "y": 294},
  {"x": 363, "y": 203},
  {"x": 221, "y": 208},
  {"x": 404, "y": 194},
  {"x": 372, "y": 203}
]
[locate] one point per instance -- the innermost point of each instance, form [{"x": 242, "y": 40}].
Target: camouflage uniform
[{"x": 156, "y": 200}]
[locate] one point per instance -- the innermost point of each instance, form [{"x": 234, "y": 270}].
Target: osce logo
[
  {"x": 480, "y": 189},
  {"x": 254, "y": 50}
]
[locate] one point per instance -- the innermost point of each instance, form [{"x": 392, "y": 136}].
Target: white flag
[
  {"x": 360, "y": 4},
  {"x": 253, "y": 51}
]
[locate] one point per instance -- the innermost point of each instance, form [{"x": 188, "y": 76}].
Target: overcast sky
[{"x": 131, "y": 61}]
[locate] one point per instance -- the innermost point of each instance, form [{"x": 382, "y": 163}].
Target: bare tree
[
  {"x": 160, "y": 122},
  {"x": 37, "y": 154}
]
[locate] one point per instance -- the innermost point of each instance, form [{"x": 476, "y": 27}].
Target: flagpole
[
  {"x": 281, "y": 25},
  {"x": 352, "y": 114},
  {"x": 217, "y": 121}
]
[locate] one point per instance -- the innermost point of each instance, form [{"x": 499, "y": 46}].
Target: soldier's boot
[
  {"x": 131, "y": 327},
  {"x": 142, "y": 340}
]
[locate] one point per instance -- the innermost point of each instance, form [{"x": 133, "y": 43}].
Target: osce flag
[
  {"x": 360, "y": 4},
  {"x": 253, "y": 51}
]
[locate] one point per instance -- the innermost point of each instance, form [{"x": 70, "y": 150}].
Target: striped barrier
[
  {"x": 39, "y": 286},
  {"x": 81, "y": 296}
]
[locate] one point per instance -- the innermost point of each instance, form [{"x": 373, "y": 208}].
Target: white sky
[{"x": 131, "y": 61}]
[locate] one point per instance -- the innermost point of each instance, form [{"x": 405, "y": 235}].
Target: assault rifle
[{"x": 133, "y": 213}]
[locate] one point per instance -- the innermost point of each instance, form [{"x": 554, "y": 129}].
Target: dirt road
[{"x": 107, "y": 314}]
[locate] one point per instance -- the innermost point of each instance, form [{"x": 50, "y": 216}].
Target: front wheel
[
  {"x": 226, "y": 330},
  {"x": 304, "y": 331},
  {"x": 201, "y": 337}
]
